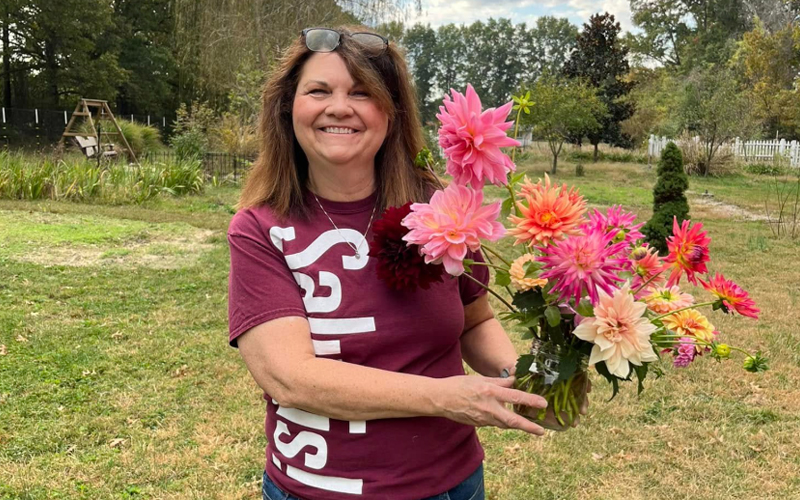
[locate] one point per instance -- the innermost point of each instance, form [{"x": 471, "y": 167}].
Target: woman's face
[{"x": 336, "y": 121}]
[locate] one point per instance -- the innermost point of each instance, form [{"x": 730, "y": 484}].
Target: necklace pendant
[{"x": 358, "y": 255}]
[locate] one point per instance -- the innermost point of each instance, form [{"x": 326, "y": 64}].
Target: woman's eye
[
  {"x": 360, "y": 93},
  {"x": 317, "y": 92}
]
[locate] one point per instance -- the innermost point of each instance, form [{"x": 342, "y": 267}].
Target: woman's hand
[
  {"x": 551, "y": 422},
  {"x": 481, "y": 401}
]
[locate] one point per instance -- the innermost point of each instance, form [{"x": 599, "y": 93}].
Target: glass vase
[{"x": 559, "y": 375}]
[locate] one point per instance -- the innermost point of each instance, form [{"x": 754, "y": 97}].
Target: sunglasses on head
[{"x": 326, "y": 40}]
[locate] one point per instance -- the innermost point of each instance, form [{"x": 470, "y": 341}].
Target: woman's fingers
[{"x": 516, "y": 397}]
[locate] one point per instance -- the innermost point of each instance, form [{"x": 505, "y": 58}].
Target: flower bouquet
[{"x": 584, "y": 288}]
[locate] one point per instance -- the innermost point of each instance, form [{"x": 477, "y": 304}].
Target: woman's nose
[{"x": 339, "y": 106}]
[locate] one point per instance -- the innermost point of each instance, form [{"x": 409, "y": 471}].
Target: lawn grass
[{"x": 117, "y": 381}]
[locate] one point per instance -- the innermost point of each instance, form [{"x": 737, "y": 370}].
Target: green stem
[
  {"x": 647, "y": 282},
  {"x": 489, "y": 259},
  {"x": 495, "y": 253},
  {"x": 501, "y": 299},
  {"x": 516, "y": 130},
  {"x": 684, "y": 309},
  {"x": 489, "y": 265},
  {"x": 430, "y": 169}
]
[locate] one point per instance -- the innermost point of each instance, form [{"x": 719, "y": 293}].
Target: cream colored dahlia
[
  {"x": 517, "y": 272},
  {"x": 619, "y": 331}
]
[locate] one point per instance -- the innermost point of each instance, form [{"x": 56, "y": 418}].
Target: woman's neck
[{"x": 341, "y": 184}]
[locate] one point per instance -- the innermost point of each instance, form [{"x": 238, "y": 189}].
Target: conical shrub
[{"x": 669, "y": 200}]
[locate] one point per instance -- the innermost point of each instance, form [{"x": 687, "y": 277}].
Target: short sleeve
[
  {"x": 260, "y": 286},
  {"x": 470, "y": 291}
]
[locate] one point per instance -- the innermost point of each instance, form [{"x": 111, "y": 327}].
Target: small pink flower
[
  {"x": 646, "y": 266},
  {"x": 688, "y": 251},
  {"x": 730, "y": 296},
  {"x": 618, "y": 222},
  {"x": 472, "y": 139},
  {"x": 684, "y": 353},
  {"x": 452, "y": 223},
  {"x": 582, "y": 264}
]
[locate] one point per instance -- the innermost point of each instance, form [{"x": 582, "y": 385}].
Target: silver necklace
[{"x": 364, "y": 236}]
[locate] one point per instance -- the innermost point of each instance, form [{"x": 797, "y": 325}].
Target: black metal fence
[
  {"x": 223, "y": 166},
  {"x": 39, "y": 128}
]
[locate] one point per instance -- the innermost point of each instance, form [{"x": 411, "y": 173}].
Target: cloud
[{"x": 439, "y": 12}]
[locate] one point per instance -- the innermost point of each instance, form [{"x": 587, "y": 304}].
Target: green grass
[{"x": 117, "y": 380}]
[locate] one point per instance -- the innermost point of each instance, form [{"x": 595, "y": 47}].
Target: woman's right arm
[{"x": 280, "y": 356}]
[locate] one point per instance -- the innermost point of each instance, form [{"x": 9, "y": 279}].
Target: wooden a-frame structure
[{"x": 84, "y": 110}]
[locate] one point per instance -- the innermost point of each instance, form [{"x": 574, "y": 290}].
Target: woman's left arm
[{"x": 485, "y": 345}]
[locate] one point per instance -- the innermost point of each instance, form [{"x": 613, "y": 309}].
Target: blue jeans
[{"x": 470, "y": 489}]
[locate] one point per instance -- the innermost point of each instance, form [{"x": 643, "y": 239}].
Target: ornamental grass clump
[{"x": 586, "y": 289}]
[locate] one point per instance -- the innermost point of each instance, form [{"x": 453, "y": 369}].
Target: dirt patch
[
  {"x": 725, "y": 210},
  {"x": 161, "y": 252}
]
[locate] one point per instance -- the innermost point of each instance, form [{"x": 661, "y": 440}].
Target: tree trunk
[
  {"x": 6, "y": 60},
  {"x": 51, "y": 72},
  {"x": 594, "y": 158},
  {"x": 555, "y": 165}
]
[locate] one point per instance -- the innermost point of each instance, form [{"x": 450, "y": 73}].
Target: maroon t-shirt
[{"x": 305, "y": 268}]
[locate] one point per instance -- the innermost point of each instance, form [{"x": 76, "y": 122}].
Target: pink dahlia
[
  {"x": 688, "y": 251},
  {"x": 730, "y": 296},
  {"x": 684, "y": 353},
  {"x": 472, "y": 139},
  {"x": 618, "y": 222},
  {"x": 452, "y": 223},
  {"x": 620, "y": 332},
  {"x": 549, "y": 212},
  {"x": 646, "y": 266},
  {"x": 582, "y": 264}
]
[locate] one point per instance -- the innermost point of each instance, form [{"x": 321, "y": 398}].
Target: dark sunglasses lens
[
  {"x": 322, "y": 40},
  {"x": 370, "y": 42}
]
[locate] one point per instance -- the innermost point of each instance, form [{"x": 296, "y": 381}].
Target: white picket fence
[{"x": 752, "y": 151}]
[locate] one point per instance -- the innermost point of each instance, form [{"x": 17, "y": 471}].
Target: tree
[
  {"x": 669, "y": 200},
  {"x": 655, "y": 96},
  {"x": 687, "y": 33},
  {"x": 144, "y": 29},
  {"x": 601, "y": 60},
  {"x": 714, "y": 109},
  {"x": 562, "y": 107},
  {"x": 420, "y": 44},
  {"x": 546, "y": 46},
  {"x": 767, "y": 65}
]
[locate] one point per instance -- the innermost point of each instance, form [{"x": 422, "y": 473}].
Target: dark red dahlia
[{"x": 400, "y": 265}]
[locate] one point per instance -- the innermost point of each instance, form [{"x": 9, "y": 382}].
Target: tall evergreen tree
[
  {"x": 601, "y": 59},
  {"x": 669, "y": 200}
]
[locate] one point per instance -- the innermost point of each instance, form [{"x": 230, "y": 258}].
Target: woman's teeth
[{"x": 338, "y": 130}]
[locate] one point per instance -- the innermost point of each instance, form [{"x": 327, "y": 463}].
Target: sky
[{"x": 439, "y": 12}]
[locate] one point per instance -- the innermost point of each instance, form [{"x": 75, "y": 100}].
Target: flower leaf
[
  {"x": 641, "y": 374},
  {"x": 531, "y": 268},
  {"x": 524, "y": 363},
  {"x": 585, "y": 308},
  {"x": 502, "y": 278},
  {"x": 505, "y": 208},
  {"x": 468, "y": 265},
  {"x": 553, "y": 316},
  {"x": 602, "y": 369}
]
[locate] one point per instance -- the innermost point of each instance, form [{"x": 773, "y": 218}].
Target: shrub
[
  {"x": 669, "y": 200},
  {"x": 579, "y": 170},
  {"x": 78, "y": 179}
]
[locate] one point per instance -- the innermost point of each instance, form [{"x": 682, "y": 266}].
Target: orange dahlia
[{"x": 549, "y": 213}]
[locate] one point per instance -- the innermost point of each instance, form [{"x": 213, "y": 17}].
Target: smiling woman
[{"x": 365, "y": 385}]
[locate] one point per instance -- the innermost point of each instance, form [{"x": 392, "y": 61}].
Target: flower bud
[
  {"x": 620, "y": 236},
  {"x": 638, "y": 253},
  {"x": 723, "y": 350}
]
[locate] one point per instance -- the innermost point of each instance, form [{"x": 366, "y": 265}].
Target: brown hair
[{"x": 279, "y": 175}]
